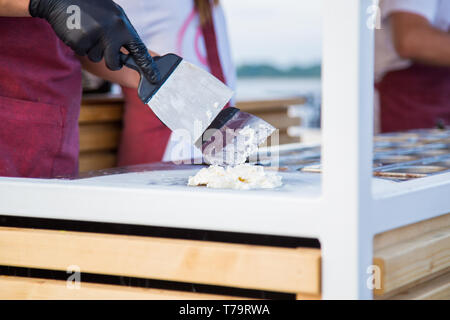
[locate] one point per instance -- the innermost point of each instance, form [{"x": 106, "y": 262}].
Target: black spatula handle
[
  {"x": 165, "y": 65},
  {"x": 153, "y": 76}
]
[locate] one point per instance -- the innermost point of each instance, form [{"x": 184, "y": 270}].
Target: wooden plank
[
  {"x": 268, "y": 105},
  {"x": 250, "y": 105},
  {"x": 435, "y": 289},
  {"x": 102, "y": 98},
  {"x": 283, "y": 138},
  {"x": 410, "y": 261},
  {"x": 21, "y": 288},
  {"x": 95, "y": 137},
  {"x": 286, "y": 139},
  {"x": 97, "y": 160},
  {"x": 114, "y": 113},
  {"x": 411, "y": 285},
  {"x": 411, "y": 231},
  {"x": 235, "y": 265},
  {"x": 100, "y": 113},
  {"x": 279, "y": 120},
  {"x": 303, "y": 296}
]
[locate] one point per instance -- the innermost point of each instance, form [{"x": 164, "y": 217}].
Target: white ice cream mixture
[
  {"x": 244, "y": 144},
  {"x": 242, "y": 177}
]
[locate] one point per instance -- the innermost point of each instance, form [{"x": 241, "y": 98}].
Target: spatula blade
[
  {"x": 190, "y": 99},
  {"x": 236, "y": 137}
]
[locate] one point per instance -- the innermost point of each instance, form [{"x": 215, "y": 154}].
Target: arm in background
[
  {"x": 125, "y": 77},
  {"x": 14, "y": 8},
  {"x": 416, "y": 39},
  {"x": 101, "y": 35}
]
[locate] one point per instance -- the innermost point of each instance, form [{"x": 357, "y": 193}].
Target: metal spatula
[
  {"x": 191, "y": 99},
  {"x": 187, "y": 97},
  {"x": 232, "y": 137}
]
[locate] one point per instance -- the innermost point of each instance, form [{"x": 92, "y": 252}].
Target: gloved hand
[{"x": 103, "y": 29}]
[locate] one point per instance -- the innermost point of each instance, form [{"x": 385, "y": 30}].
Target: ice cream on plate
[{"x": 242, "y": 176}]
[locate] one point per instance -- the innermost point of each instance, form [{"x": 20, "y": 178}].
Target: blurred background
[
  {"x": 279, "y": 54},
  {"x": 276, "y": 53}
]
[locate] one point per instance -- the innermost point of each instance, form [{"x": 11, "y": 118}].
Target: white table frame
[{"x": 345, "y": 217}]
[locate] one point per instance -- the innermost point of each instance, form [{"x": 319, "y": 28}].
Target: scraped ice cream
[
  {"x": 242, "y": 177},
  {"x": 209, "y": 114},
  {"x": 244, "y": 144},
  {"x": 249, "y": 146}
]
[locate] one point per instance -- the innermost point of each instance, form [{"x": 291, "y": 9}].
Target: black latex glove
[{"x": 104, "y": 29}]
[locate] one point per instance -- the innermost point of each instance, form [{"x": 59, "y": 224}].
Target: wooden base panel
[
  {"x": 22, "y": 288},
  {"x": 435, "y": 289},
  {"x": 412, "y": 254},
  {"x": 213, "y": 263}
]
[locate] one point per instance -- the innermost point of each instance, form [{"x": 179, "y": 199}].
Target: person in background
[
  {"x": 412, "y": 65},
  {"x": 195, "y": 30},
  {"x": 42, "y": 50}
]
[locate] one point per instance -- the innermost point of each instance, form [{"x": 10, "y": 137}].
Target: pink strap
[{"x": 212, "y": 52}]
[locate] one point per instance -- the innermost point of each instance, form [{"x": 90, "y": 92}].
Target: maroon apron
[
  {"x": 414, "y": 98},
  {"x": 40, "y": 94},
  {"x": 144, "y": 136}
]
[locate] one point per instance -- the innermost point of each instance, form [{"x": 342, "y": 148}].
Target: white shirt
[
  {"x": 171, "y": 26},
  {"x": 437, "y": 12}
]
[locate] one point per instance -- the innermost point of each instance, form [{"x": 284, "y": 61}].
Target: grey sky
[{"x": 283, "y": 31}]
